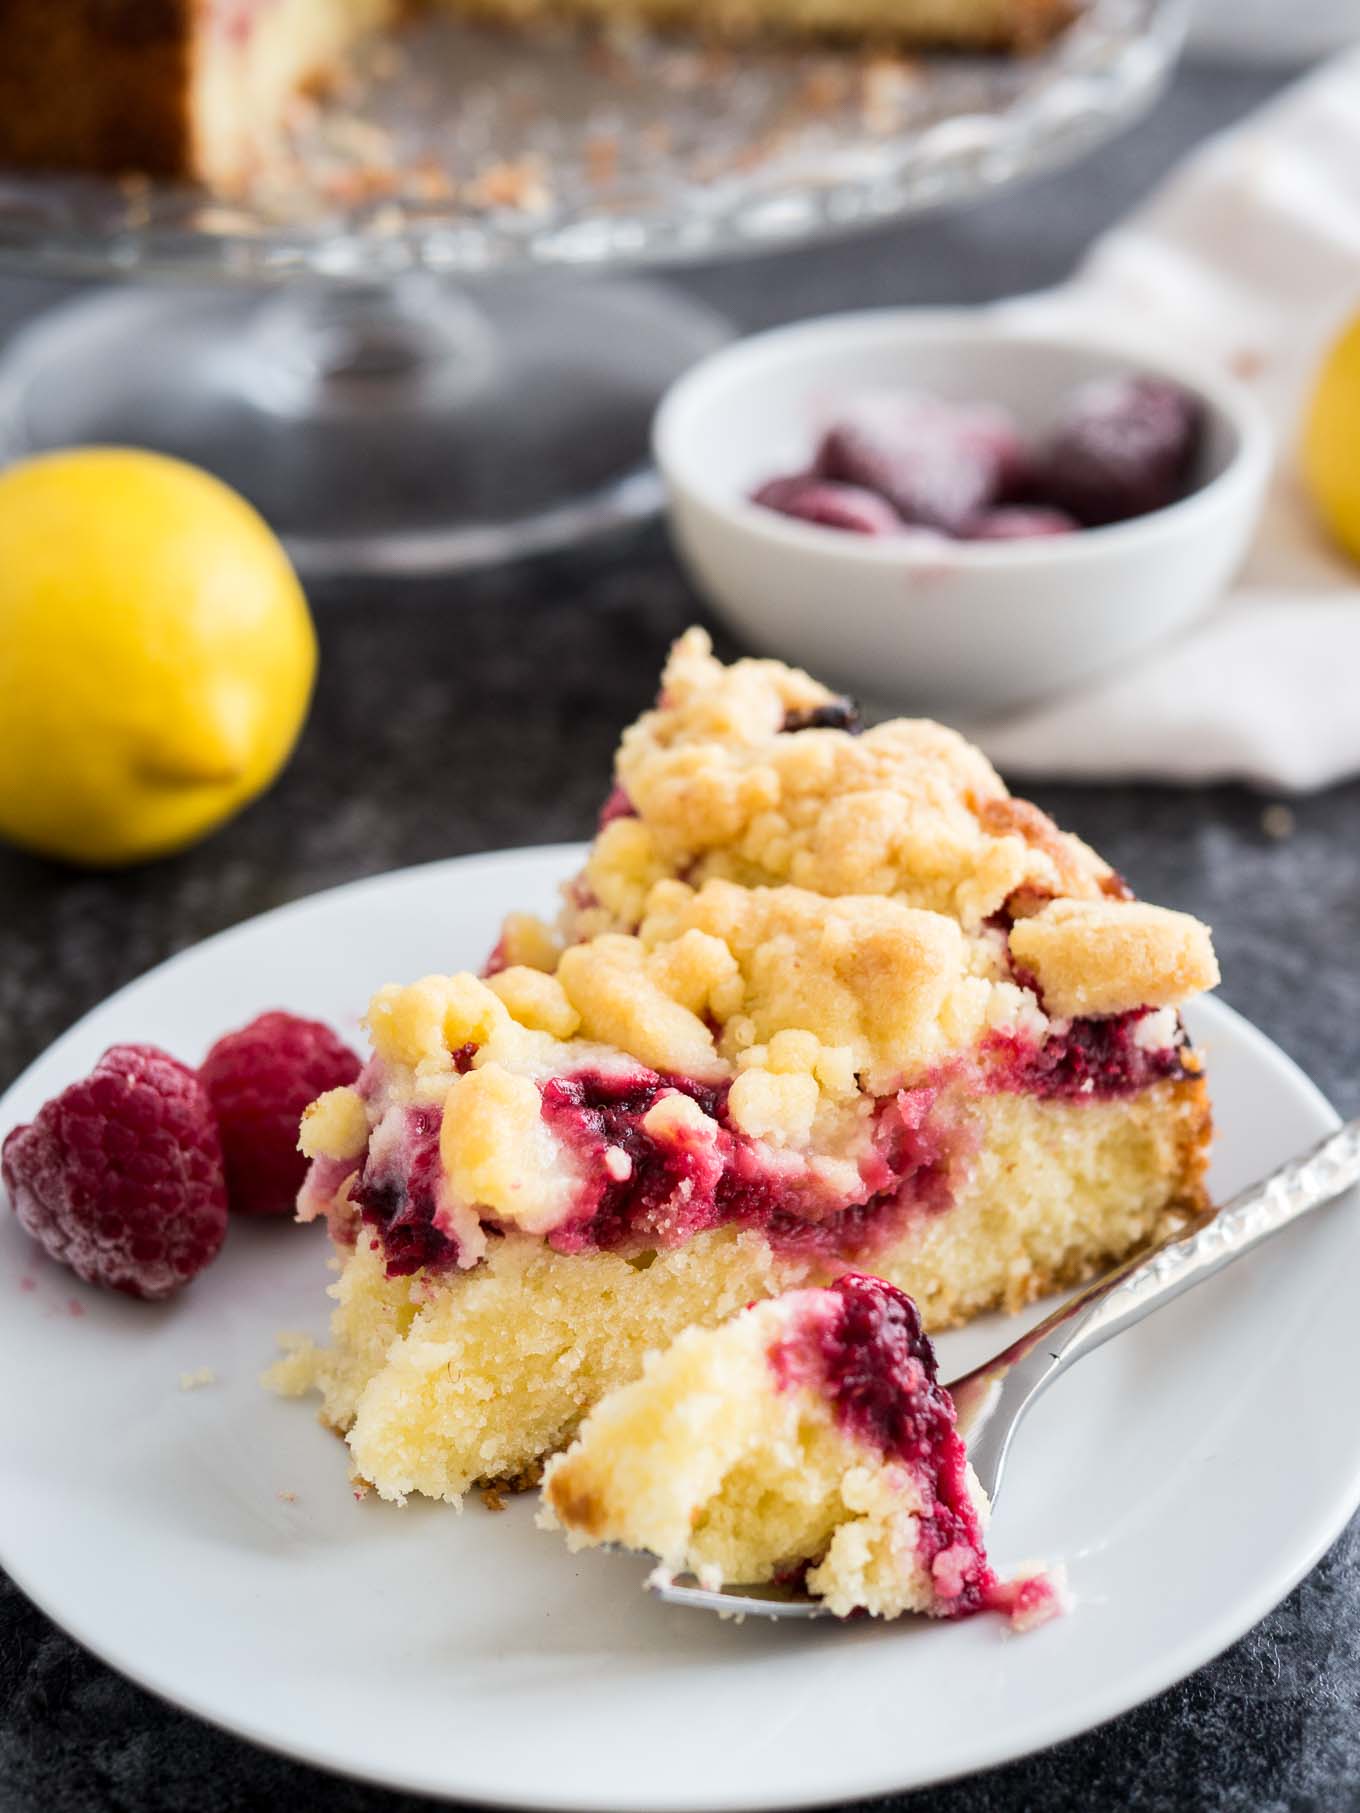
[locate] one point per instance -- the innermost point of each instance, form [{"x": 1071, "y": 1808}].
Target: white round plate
[{"x": 206, "y": 1542}]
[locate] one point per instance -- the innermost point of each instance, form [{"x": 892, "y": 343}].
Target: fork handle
[{"x": 1002, "y": 1390}]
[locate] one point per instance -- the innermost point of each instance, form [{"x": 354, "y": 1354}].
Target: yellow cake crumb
[{"x": 334, "y": 1126}]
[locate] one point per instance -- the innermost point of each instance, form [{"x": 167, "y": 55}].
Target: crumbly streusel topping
[
  {"x": 907, "y": 815},
  {"x": 723, "y": 790},
  {"x": 1104, "y": 956},
  {"x": 805, "y": 921}
]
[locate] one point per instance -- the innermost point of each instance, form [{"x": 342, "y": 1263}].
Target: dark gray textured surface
[{"x": 466, "y": 716}]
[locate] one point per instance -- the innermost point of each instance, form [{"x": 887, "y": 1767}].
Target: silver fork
[{"x": 992, "y": 1399}]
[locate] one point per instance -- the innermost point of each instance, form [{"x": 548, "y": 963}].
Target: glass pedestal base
[{"x": 401, "y": 429}]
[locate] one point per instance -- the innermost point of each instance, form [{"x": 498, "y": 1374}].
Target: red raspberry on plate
[
  {"x": 259, "y": 1080},
  {"x": 120, "y": 1176}
]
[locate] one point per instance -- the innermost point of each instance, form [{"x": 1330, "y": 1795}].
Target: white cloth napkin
[{"x": 1249, "y": 257}]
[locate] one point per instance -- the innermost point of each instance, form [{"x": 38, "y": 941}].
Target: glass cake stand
[{"x": 397, "y": 345}]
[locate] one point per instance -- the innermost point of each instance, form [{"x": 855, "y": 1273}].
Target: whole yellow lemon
[
  {"x": 156, "y": 654},
  {"x": 1331, "y": 440}
]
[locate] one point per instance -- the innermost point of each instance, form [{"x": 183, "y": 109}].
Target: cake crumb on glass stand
[{"x": 398, "y": 344}]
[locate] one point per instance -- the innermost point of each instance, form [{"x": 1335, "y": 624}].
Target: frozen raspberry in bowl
[
  {"x": 829, "y": 504},
  {"x": 120, "y": 1176},
  {"x": 1020, "y": 522},
  {"x": 1123, "y": 447},
  {"x": 258, "y": 1080},
  {"x": 937, "y": 463},
  {"x": 996, "y": 592}
]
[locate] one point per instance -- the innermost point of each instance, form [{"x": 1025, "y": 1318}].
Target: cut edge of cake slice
[{"x": 805, "y": 1442}]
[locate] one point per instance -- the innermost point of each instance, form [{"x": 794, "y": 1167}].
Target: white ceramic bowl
[{"x": 944, "y": 626}]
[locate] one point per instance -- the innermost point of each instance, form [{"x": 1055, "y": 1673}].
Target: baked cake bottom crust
[{"x": 445, "y": 1380}]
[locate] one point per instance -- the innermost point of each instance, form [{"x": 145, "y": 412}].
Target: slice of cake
[
  {"x": 821, "y": 1001},
  {"x": 202, "y": 88},
  {"x": 807, "y": 1439}
]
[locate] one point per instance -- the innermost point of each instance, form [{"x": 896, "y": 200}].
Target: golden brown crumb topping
[
  {"x": 829, "y": 864},
  {"x": 907, "y": 810},
  {"x": 1102, "y": 956}
]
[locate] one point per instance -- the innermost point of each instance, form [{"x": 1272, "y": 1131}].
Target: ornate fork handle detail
[
  {"x": 992, "y": 1399},
  {"x": 1250, "y": 1217}
]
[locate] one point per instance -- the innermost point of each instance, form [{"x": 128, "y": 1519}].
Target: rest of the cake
[
  {"x": 174, "y": 88},
  {"x": 820, "y": 1001},
  {"x": 807, "y": 1439},
  {"x": 202, "y": 88},
  {"x": 983, "y": 25}
]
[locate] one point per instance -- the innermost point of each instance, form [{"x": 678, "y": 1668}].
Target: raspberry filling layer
[
  {"x": 618, "y": 805},
  {"x": 1121, "y": 446},
  {"x": 398, "y": 1197},
  {"x": 641, "y": 1191},
  {"x": 838, "y": 714},
  {"x": 1088, "y": 1059},
  {"x": 660, "y": 1192},
  {"x": 872, "y": 1359}
]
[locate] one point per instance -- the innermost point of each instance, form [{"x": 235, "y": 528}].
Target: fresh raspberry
[
  {"x": 259, "y": 1080},
  {"x": 120, "y": 1176}
]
